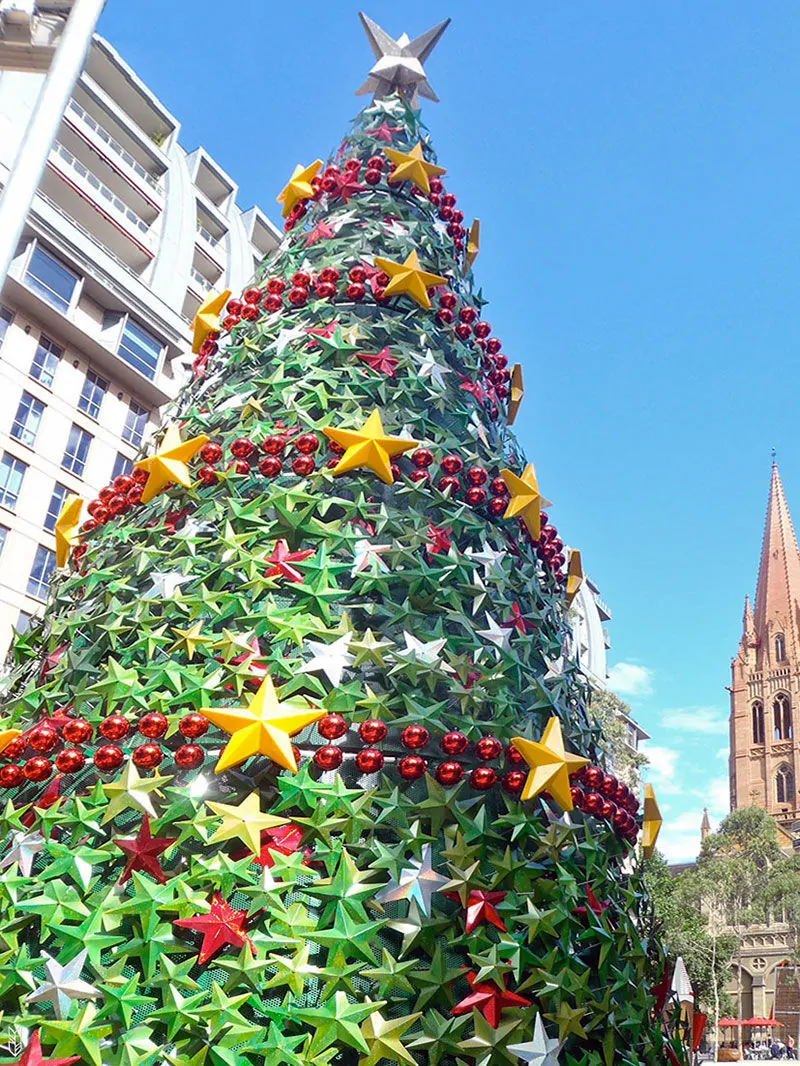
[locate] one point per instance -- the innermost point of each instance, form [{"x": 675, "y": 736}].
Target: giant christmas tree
[{"x": 298, "y": 767}]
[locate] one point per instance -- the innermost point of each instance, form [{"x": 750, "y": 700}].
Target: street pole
[{"x": 54, "y": 95}]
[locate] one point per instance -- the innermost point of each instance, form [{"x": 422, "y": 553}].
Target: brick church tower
[{"x": 765, "y": 675}]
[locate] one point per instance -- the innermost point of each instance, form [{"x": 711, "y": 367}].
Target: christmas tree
[{"x": 298, "y": 765}]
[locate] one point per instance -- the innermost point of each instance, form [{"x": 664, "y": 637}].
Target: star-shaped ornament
[
  {"x": 32, "y": 1055},
  {"x": 62, "y": 985},
  {"x": 298, "y": 187},
  {"x": 399, "y": 67},
  {"x": 368, "y": 448},
  {"x": 383, "y": 1039},
  {"x": 367, "y": 556},
  {"x": 281, "y": 560},
  {"x": 408, "y": 277},
  {"x": 384, "y": 132},
  {"x": 427, "y": 367},
  {"x": 651, "y": 822},
  {"x": 542, "y": 1050},
  {"x": 473, "y": 244},
  {"x": 413, "y": 166},
  {"x": 24, "y": 849},
  {"x": 207, "y": 318},
  {"x": 417, "y": 883},
  {"x": 526, "y": 502},
  {"x": 427, "y": 653},
  {"x": 168, "y": 465},
  {"x": 329, "y": 659},
  {"x": 165, "y": 585},
  {"x": 222, "y": 925},
  {"x": 130, "y": 791},
  {"x": 383, "y": 361},
  {"x": 515, "y": 394},
  {"x": 67, "y": 527},
  {"x": 143, "y": 851},
  {"x": 574, "y": 576},
  {"x": 480, "y": 908},
  {"x": 489, "y": 559},
  {"x": 244, "y": 822},
  {"x": 263, "y": 727},
  {"x": 489, "y": 999},
  {"x": 500, "y": 636},
  {"x": 550, "y": 765}
]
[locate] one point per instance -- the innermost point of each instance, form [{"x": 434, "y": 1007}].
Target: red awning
[{"x": 761, "y": 1022}]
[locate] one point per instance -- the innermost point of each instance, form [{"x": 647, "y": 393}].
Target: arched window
[
  {"x": 784, "y": 785},
  {"x": 782, "y": 711},
  {"x": 780, "y": 648},
  {"x": 758, "y": 722}
]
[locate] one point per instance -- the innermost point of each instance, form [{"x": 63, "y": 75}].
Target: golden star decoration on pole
[
  {"x": 413, "y": 166},
  {"x": 574, "y": 576},
  {"x": 368, "y": 447},
  {"x": 207, "y": 318},
  {"x": 516, "y": 392},
  {"x": 473, "y": 242},
  {"x": 409, "y": 278},
  {"x": 66, "y": 528},
  {"x": 298, "y": 187},
  {"x": 243, "y": 822},
  {"x": 526, "y": 501},
  {"x": 263, "y": 727},
  {"x": 550, "y": 765},
  {"x": 169, "y": 462},
  {"x": 651, "y": 822}
]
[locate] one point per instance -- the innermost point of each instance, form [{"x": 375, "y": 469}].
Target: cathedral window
[
  {"x": 782, "y": 711},
  {"x": 780, "y": 648},
  {"x": 758, "y": 722},
  {"x": 784, "y": 785}
]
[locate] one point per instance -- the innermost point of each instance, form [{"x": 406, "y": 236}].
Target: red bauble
[
  {"x": 468, "y": 315},
  {"x": 270, "y": 466},
  {"x": 193, "y": 725},
  {"x": 86, "y": 527},
  {"x": 444, "y": 316},
  {"x": 437, "y": 186},
  {"x": 422, "y": 458},
  {"x": 122, "y": 483},
  {"x": 240, "y": 466},
  {"x": 153, "y": 725},
  {"x": 493, "y": 345},
  {"x": 395, "y": 471},
  {"x": 38, "y": 768},
  {"x": 70, "y": 761},
  {"x": 445, "y": 212},
  {"x": 497, "y": 506},
  {"x": 301, "y": 279},
  {"x": 234, "y": 307},
  {"x": 376, "y": 162},
  {"x": 229, "y": 321},
  {"x": 15, "y": 748},
  {"x": 355, "y": 291},
  {"x": 251, "y": 296},
  {"x": 482, "y": 330},
  {"x": 448, "y": 300},
  {"x": 307, "y": 443},
  {"x": 357, "y": 274},
  {"x": 483, "y": 778},
  {"x": 303, "y": 465},
  {"x": 418, "y": 476},
  {"x": 274, "y": 445},
  {"x": 453, "y": 743},
  {"x": 78, "y": 731},
  {"x": 369, "y": 761},
  {"x": 593, "y": 777},
  {"x": 206, "y": 474},
  {"x": 272, "y": 303},
  {"x": 297, "y": 297},
  {"x": 43, "y": 739},
  {"x": 620, "y": 819},
  {"x": 147, "y": 756},
  {"x": 513, "y": 781},
  {"x": 98, "y": 511},
  {"x": 105, "y": 494},
  {"x": 210, "y": 452},
  {"x": 249, "y": 313},
  {"x": 607, "y": 809},
  {"x": 372, "y": 176},
  {"x": 448, "y": 199},
  {"x": 118, "y": 505},
  {"x": 276, "y": 286},
  {"x": 450, "y": 484},
  {"x": 372, "y": 731},
  {"x": 242, "y": 448},
  {"x": 108, "y": 758},
  {"x": 593, "y": 803},
  {"x": 414, "y": 737},
  {"x": 329, "y": 274},
  {"x": 476, "y": 475},
  {"x": 620, "y": 797},
  {"x": 328, "y": 758},
  {"x": 332, "y": 726},
  {"x": 475, "y": 496},
  {"x": 353, "y": 165},
  {"x": 577, "y": 795},
  {"x": 452, "y": 464},
  {"x": 608, "y": 786},
  {"x": 498, "y": 487},
  {"x": 325, "y": 290},
  {"x": 488, "y": 748},
  {"x": 411, "y": 767},
  {"x": 449, "y": 773},
  {"x": 115, "y": 727},
  {"x": 10, "y": 776},
  {"x": 463, "y": 331},
  {"x": 189, "y": 756}
]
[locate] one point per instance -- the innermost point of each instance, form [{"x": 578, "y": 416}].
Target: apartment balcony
[
  {"x": 199, "y": 284},
  {"x": 211, "y": 246}
]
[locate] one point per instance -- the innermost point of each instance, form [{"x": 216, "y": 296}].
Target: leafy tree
[{"x": 607, "y": 709}]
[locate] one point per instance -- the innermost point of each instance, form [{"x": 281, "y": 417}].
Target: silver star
[
  {"x": 489, "y": 558},
  {"x": 165, "y": 585},
  {"x": 396, "y": 229},
  {"x": 329, "y": 659},
  {"x": 477, "y": 429},
  {"x": 541, "y": 1051},
  {"x": 427, "y": 367},
  {"x": 499, "y": 635},
  {"x": 417, "y": 883},
  {"x": 479, "y": 594},
  {"x": 285, "y": 336},
  {"x": 63, "y": 984},
  {"x": 366, "y": 555},
  {"x": 24, "y": 847},
  {"x": 428, "y": 653},
  {"x": 399, "y": 67},
  {"x": 337, "y": 222},
  {"x": 555, "y": 668}
]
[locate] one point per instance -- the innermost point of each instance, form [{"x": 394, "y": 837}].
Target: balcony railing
[
  {"x": 87, "y": 233},
  {"x": 207, "y": 235},
  {"x": 115, "y": 146},
  {"x": 106, "y": 194},
  {"x": 202, "y": 283}
]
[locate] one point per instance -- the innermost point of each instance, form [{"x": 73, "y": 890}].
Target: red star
[
  {"x": 322, "y": 231},
  {"x": 347, "y": 186},
  {"x": 472, "y": 386},
  {"x": 490, "y": 1000},
  {"x": 32, "y": 1055},
  {"x": 283, "y": 839},
  {"x": 480, "y": 907},
  {"x": 143, "y": 851},
  {"x": 438, "y": 539},
  {"x": 594, "y": 905},
  {"x": 384, "y": 132},
  {"x": 51, "y": 795},
  {"x": 516, "y": 620},
  {"x": 381, "y": 361},
  {"x": 661, "y": 990},
  {"x": 50, "y": 662},
  {"x": 222, "y": 925},
  {"x": 322, "y": 331},
  {"x": 282, "y": 559}
]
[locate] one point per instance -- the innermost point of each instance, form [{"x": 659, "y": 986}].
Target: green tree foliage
[{"x": 607, "y": 709}]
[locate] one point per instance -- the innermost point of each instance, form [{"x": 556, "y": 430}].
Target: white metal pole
[{"x": 54, "y": 95}]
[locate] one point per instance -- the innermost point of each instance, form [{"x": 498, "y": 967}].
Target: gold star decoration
[
  {"x": 525, "y": 502},
  {"x": 298, "y": 187},
  {"x": 244, "y": 822},
  {"x": 169, "y": 462},
  {"x": 412, "y": 166},
  {"x": 516, "y": 392},
  {"x": 651, "y": 822},
  {"x": 383, "y": 1038},
  {"x": 263, "y": 727},
  {"x": 409, "y": 278},
  {"x": 207, "y": 318},
  {"x": 66, "y": 528},
  {"x": 368, "y": 447},
  {"x": 550, "y": 765},
  {"x": 132, "y": 791},
  {"x": 574, "y": 575},
  {"x": 189, "y": 639},
  {"x": 473, "y": 242}
]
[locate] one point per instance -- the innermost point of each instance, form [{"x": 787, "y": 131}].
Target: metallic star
[
  {"x": 550, "y": 765},
  {"x": 526, "y": 501},
  {"x": 165, "y": 585},
  {"x": 427, "y": 367},
  {"x": 24, "y": 847},
  {"x": 243, "y": 822},
  {"x": 408, "y": 277},
  {"x": 329, "y": 659},
  {"x": 499, "y": 635},
  {"x": 541, "y": 1051},
  {"x": 66, "y": 528},
  {"x": 285, "y": 336},
  {"x": 63, "y": 985},
  {"x": 132, "y": 791},
  {"x": 368, "y": 555},
  {"x": 417, "y": 883},
  {"x": 168, "y": 463},
  {"x": 414, "y": 167},
  {"x": 651, "y": 822},
  {"x": 207, "y": 318},
  {"x": 368, "y": 447},
  {"x": 298, "y": 187},
  {"x": 399, "y": 62},
  {"x": 574, "y": 576},
  {"x": 489, "y": 558},
  {"x": 428, "y": 653}
]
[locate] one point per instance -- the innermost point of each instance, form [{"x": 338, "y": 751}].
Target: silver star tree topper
[{"x": 399, "y": 62}]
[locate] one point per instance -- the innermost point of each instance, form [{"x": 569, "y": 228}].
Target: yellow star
[
  {"x": 383, "y": 1038},
  {"x": 550, "y": 765},
  {"x": 263, "y": 727},
  {"x": 298, "y": 187},
  {"x": 473, "y": 241},
  {"x": 516, "y": 393},
  {"x": 244, "y": 822},
  {"x": 131, "y": 790},
  {"x": 189, "y": 639},
  {"x": 574, "y": 575},
  {"x": 525, "y": 500},
  {"x": 66, "y": 528},
  {"x": 207, "y": 318},
  {"x": 412, "y": 166},
  {"x": 369, "y": 649},
  {"x": 368, "y": 447},
  {"x": 410, "y": 278},
  {"x": 169, "y": 463},
  {"x": 651, "y": 822}
]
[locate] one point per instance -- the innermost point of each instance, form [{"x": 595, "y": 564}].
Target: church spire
[
  {"x": 777, "y": 600},
  {"x": 705, "y": 825}
]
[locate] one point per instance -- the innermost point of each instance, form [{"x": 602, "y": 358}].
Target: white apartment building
[{"x": 128, "y": 232}]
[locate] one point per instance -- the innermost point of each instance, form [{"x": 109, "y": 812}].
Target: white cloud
[
  {"x": 630, "y": 679},
  {"x": 695, "y": 719},
  {"x": 722, "y": 753},
  {"x": 662, "y": 767}
]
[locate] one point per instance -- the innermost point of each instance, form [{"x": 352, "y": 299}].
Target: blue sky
[{"x": 636, "y": 171}]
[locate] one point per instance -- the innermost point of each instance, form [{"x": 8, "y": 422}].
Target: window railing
[
  {"x": 86, "y": 232},
  {"x": 207, "y": 235},
  {"x": 115, "y": 146},
  {"x": 202, "y": 283},
  {"x": 103, "y": 190}
]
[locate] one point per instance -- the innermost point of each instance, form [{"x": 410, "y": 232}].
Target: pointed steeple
[
  {"x": 705, "y": 825},
  {"x": 777, "y": 604}
]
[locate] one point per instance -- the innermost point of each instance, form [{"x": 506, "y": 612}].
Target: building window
[
  {"x": 27, "y": 419},
  {"x": 140, "y": 350},
  {"x": 56, "y": 505},
  {"x": 784, "y": 785},
  {"x": 782, "y": 710},
  {"x": 77, "y": 450},
  {"x": 780, "y": 648},
  {"x": 122, "y": 465},
  {"x": 5, "y": 322},
  {"x": 45, "y": 361},
  {"x": 94, "y": 389},
  {"x": 3, "y": 536},
  {"x": 12, "y": 471},
  {"x": 758, "y": 722},
  {"x": 135, "y": 424},
  {"x": 44, "y": 563},
  {"x": 23, "y": 621},
  {"x": 50, "y": 279}
]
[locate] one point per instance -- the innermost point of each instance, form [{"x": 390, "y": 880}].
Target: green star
[
  {"x": 391, "y": 974},
  {"x": 338, "y": 1020},
  {"x": 79, "y": 1036}
]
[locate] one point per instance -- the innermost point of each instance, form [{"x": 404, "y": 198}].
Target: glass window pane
[
  {"x": 44, "y": 563},
  {"x": 60, "y": 493},
  {"x": 5, "y": 322},
  {"x": 23, "y": 621},
  {"x": 77, "y": 451},
  {"x": 50, "y": 279},
  {"x": 27, "y": 419},
  {"x": 135, "y": 424},
  {"x": 94, "y": 389},
  {"x": 12, "y": 471},
  {"x": 122, "y": 465},
  {"x": 139, "y": 349},
  {"x": 3, "y": 536},
  {"x": 45, "y": 361}
]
